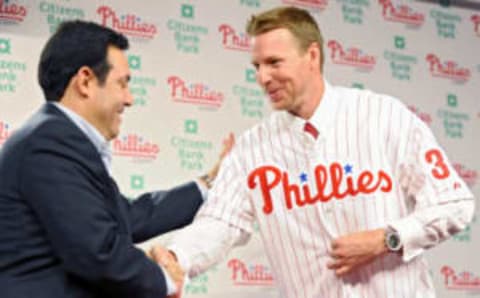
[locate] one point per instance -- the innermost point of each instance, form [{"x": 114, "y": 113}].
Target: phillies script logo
[
  {"x": 351, "y": 56},
  {"x": 320, "y": 4},
  {"x": 4, "y": 132},
  {"x": 448, "y": 69},
  {"x": 401, "y": 13},
  {"x": 128, "y": 24},
  {"x": 463, "y": 281},
  {"x": 134, "y": 146},
  {"x": 476, "y": 22},
  {"x": 12, "y": 12},
  {"x": 425, "y": 117},
  {"x": 233, "y": 41},
  {"x": 469, "y": 176},
  {"x": 253, "y": 275},
  {"x": 196, "y": 93},
  {"x": 268, "y": 178}
]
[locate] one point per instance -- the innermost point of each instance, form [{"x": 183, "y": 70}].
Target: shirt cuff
[
  {"x": 410, "y": 232},
  {"x": 171, "y": 287},
  {"x": 202, "y": 188}
]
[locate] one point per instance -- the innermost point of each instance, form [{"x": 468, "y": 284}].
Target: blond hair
[{"x": 298, "y": 21}]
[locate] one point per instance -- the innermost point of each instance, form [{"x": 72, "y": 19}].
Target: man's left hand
[{"x": 354, "y": 250}]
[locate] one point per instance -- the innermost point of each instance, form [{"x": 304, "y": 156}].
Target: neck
[{"x": 312, "y": 98}]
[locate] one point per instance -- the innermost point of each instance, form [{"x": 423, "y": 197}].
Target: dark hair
[{"x": 75, "y": 44}]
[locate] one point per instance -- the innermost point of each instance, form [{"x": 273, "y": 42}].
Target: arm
[
  {"x": 223, "y": 222},
  {"x": 440, "y": 204},
  {"x": 75, "y": 207},
  {"x": 162, "y": 211}
]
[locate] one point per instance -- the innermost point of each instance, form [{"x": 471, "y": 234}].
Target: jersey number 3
[{"x": 435, "y": 157}]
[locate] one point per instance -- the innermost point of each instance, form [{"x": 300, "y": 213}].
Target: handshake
[{"x": 168, "y": 261}]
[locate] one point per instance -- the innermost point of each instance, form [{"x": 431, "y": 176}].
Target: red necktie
[{"x": 309, "y": 128}]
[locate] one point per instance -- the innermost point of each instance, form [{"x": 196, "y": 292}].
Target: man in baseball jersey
[{"x": 348, "y": 187}]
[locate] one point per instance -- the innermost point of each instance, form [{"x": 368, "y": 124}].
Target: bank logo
[
  {"x": 187, "y": 11},
  {"x": 12, "y": 12},
  {"x": 137, "y": 182},
  {"x": 194, "y": 93},
  {"x": 312, "y": 4},
  {"x": 459, "y": 281},
  {"x": 191, "y": 126},
  {"x": 476, "y": 23},
  {"x": 424, "y": 116},
  {"x": 5, "y": 46},
  {"x": 448, "y": 69},
  {"x": 250, "y": 75},
  {"x": 250, "y": 275},
  {"x": 401, "y": 13},
  {"x": 133, "y": 145},
  {"x": 128, "y": 24},
  {"x": 4, "y": 132},
  {"x": 232, "y": 40},
  {"x": 352, "y": 56},
  {"x": 134, "y": 62}
]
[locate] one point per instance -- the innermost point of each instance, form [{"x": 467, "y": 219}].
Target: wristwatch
[{"x": 392, "y": 240}]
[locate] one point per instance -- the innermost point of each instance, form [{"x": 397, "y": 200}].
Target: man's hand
[
  {"x": 228, "y": 143},
  {"x": 352, "y": 251},
  {"x": 168, "y": 261}
]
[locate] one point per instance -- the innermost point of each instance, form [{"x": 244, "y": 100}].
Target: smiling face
[
  {"x": 111, "y": 98},
  {"x": 283, "y": 70}
]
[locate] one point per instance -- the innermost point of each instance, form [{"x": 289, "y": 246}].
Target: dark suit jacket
[{"x": 65, "y": 229}]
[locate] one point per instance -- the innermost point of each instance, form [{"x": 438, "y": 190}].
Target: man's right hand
[{"x": 167, "y": 260}]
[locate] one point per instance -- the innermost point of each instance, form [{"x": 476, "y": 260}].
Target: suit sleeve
[
  {"x": 162, "y": 211},
  {"x": 74, "y": 208}
]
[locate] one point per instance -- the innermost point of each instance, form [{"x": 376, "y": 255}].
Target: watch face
[{"x": 393, "y": 241}]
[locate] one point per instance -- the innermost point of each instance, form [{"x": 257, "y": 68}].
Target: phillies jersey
[{"x": 373, "y": 165}]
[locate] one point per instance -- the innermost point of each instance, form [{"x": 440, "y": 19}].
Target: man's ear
[
  {"x": 314, "y": 54},
  {"x": 85, "y": 81}
]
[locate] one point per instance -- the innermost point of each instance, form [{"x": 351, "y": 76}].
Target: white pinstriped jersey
[{"x": 373, "y": 165}]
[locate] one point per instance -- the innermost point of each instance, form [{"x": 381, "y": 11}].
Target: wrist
[{"x": 207, "y": 180}]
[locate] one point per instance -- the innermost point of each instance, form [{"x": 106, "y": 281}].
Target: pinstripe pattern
[{"x": 367, "y": 131}]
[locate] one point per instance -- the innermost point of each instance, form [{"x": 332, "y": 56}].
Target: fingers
[{"x": 168, "y": 261}]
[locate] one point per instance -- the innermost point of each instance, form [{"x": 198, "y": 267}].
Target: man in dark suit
[{"x": 65, "y": 229}]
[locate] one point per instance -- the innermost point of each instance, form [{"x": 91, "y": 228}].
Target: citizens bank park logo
[
  {"x": 233, "y": 41},
  {"x": 4, "y": 132},
  {"x": 128, "y": 24},
  {"x": 467, "y": 175},
  {"x": 194, "y": 93},
  {"x": 250, "y": 275},
  {"x": 401, "y": 13},
  {"x": 448, "y": 69},
  {"x": 476, "y": 22},
  {"x": 133, "y": 145},
  {"x": 351, "y": 56},
  {"x": 462, "y": 281},
  {"x": 317, "y": 4},
  {"x": 425, "y": 117},
  {"x": 12, "y": 12}
]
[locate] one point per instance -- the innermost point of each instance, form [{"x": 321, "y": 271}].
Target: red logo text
[
  {"x": 253, "y": 275},
  {"x": 196, "y": 93},
  {"x": 233, "y": 41},
  {"x": 268, "y": 178},
  {"x": 133, "y": 145},
  {"x": 448, "y": 69},
  {"x": 12, "y": 12},
  {"x": 401, "y": 13},
  {"x": 351, "y": 56},
  {"x": 128, "y": 24}
]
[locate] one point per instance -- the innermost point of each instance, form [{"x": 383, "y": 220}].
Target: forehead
[{"x": 275, "y": 42}]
